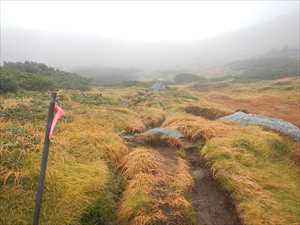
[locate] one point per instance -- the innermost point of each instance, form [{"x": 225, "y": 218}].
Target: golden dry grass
[
  {"x": 142, "y": 161},
  {"x": 183, "y": 180},
  {"x": 152, "y": 117},
  {"x": 255, "y": 166},
  {"x": 259, "y": 168},
  {"x": 276, "y": 98},
  {"x": 197, "y": 128},
  {"x": 159, "y": 140},
  {"x": 205, "y": 112},
  {"x": 96, "y": 142},
  {"x": 153, "y": 192},
  {"x": 83, "y": 152}
]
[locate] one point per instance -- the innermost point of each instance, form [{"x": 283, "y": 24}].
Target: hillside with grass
[
  {"x": 275, "y": 64},
  {"x": 32, "y": 76},
  {"x": 149, "y": 112},
  {"x": 106, "y": 168}
]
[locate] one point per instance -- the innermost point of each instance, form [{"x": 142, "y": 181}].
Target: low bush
[
  {"x": 208, "y": 113},
  {"x": 93, "y": 99}
]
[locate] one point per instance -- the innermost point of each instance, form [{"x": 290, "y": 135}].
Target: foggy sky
[{"x": 156, "y": 35}]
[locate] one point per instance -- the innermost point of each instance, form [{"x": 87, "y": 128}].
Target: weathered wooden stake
[{"x": 40, "y": 190}]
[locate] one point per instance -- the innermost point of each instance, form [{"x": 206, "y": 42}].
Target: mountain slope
[{"x": 83, "y": 51}]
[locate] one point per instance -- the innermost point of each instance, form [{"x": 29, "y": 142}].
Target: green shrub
[
  {"x": 38, "y": 77},
  {"x": 7, "y": 84},
  {"x": 100, "y": 213},
  {"x": 93, "y": 99}
]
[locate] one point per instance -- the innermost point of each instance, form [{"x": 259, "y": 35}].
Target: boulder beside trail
[
  {"x": 273, "y": 123},
  {"x": 170, "y": 132}
]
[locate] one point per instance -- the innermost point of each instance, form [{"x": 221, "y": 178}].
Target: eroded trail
[{"x": 211, "y": 204}]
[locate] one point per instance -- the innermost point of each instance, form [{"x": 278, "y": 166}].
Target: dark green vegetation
[
  {"x": 208, "y": 113},
  {"x": 273, "y": 65},
  {"x": 93, "y": 99},
  {"x": 37, "y": 77}
]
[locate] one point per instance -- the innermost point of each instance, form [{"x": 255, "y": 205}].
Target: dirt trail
[{"x": 211, "y": 204}]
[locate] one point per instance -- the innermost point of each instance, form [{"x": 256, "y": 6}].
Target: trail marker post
[{"x": 41, "y": 184}]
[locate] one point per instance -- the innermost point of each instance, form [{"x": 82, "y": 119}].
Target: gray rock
[
  {"x": 275, "y": 124},
  {"x": 158, "y": 86},
  {"x": 165, "y": 132},
  {"x": 199, "y": 174}
]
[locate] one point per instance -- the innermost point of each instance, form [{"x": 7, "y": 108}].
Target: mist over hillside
[{"x": 91, "y": 53}]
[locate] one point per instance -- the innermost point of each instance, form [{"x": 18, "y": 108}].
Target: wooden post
[{"x": 41, "y": 184}]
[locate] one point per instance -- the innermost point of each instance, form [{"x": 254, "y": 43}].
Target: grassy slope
[
  {"x": 277, "y": 98},
  {"x": 82, "y": 184},
  {"x": 260, "y": 168},
  {"x": 256, "y": 167},
  {"x": 82, "y": 157},
  {"x": 253, "y": 164}
]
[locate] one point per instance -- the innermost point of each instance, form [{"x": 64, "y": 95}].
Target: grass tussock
[
  {"x": 255, "y": 166},
  {"x": 197, "y": 128},
  {"x": 136, "y": 127},
  {"x": 183, "y": 180},
  {"x": 142, "y": 161},
  {"x": 96, "y": 143},
  {"x": 71, "y": 188},
  {"x": 152, "y": 117},
  {"x": 159, "y": 140},
  {"x": 208, "y": 113},
  {"x": 152, "y": 193}
]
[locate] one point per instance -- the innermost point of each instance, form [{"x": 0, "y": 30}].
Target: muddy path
[{"x": 211, "y": 203}]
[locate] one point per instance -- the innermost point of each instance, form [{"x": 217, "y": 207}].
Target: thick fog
[{"x": 161, "y": 38}]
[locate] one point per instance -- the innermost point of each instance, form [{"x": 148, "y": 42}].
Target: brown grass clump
[
  {"x": 142, "y": 161},
  {"x": 148, "y": 200},
  {"x": 138, "y": 205},
  {"x": 152, "y": 117},
  {"x": 136, "y": 127},
  {"x": 183, "y": 180},
  {"x": 172, "y": 142},
  {"x": 159, "y": 140},
  {"x": 96, "y": 142},
  {"x": 146, "y": 118},
  {"x": 197, "y": 128},
  {"x": 208, "y": 113},
  {"x": 152, "y": 194}
]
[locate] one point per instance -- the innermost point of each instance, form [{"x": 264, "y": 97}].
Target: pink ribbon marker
[{"x": 59, "y": 112}]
